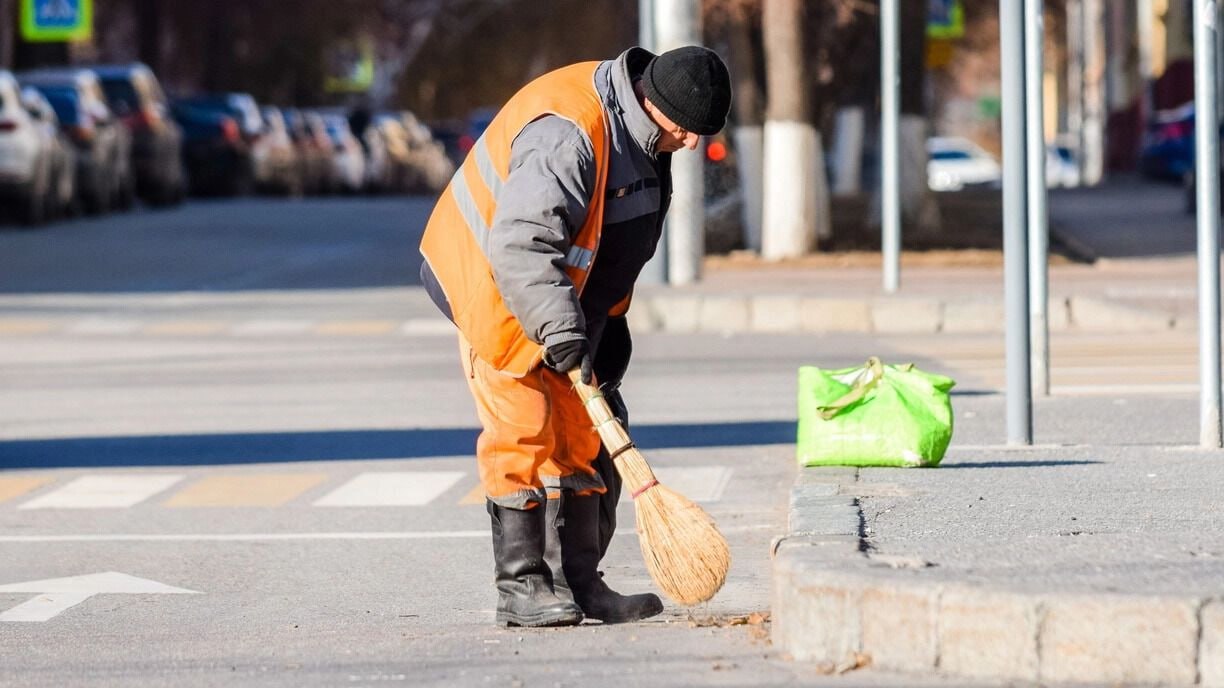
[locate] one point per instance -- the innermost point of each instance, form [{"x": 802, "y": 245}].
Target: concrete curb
[
  {"x": 839, "y": 606},
  {"x": 777, "y": 313}
]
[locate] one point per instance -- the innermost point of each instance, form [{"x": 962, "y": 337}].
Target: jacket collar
[{"x": 621, "y": 99}]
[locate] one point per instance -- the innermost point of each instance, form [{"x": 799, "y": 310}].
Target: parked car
[
  {"x": 217, "y": 158},
  {"x": 955, "y": 163},
  {"x": 1062, "y": 169},
  {"x": 1167, "y": 148},
  {"x": 137, "y": 99},
  {"x": 348, "y": 159},
  {"x": 25, "y": 162},
  {"x": 281, "y": 172},
  {"x": 379, "y": 168},
  {"x": 61, "y": 199},
  {"x": 313, "y": 148},
  {"x": 102, "y": 144},
  {"x": 401, "y": 175}
]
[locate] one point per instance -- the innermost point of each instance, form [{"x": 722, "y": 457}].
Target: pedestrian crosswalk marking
[
  {"x": 272, "y": 327},
  {"x": 105, "y": 326},
  {"x": 11, "y": 488},
  {"x": 408, "y": 488},
  {"x": 185, "y": 328},
  {"x": 369, "y": 489},
  {"x": 356, "y": 328},
  {"x": 698, "y": 483},
  {"x": 104, "y": 492},
  {"x": 273, "y": 489}
]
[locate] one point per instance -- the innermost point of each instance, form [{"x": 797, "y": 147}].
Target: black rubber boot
[
  {"x": 576, "y": 521},
  {"x": 524, "y": 582}
]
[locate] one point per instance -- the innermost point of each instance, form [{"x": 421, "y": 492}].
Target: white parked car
[
  {"x": 26, "y": 164},
  {"x": 955, "y": 163},
  {"x": 61, "y": 154},
  {"x": 1062, "y": 171},
  {"x": 348, "y": 159}
]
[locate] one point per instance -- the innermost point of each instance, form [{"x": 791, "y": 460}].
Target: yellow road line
[
  {"x": 272, "y": 489},
  {"x": 352, "y": 328},
  {"x": 15, "y": 487},
  {"x": 181, "y": 328},
  {"x": 476, "y": 496},
  {"x": 25, "y": 326}
]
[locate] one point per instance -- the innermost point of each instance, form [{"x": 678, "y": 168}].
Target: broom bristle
[{"x": 684, "y": 552}]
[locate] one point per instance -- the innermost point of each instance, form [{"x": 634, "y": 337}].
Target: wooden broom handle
[{"x": 611, "y": 432}]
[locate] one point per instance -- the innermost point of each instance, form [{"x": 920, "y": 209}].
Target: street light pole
[
  {"x": 1038, "y": 225},
  {"x": 1015, "y": 240},
  {"x": 1207, "y": 195},
  {"x": 678, "y": 23},
  {"x": 890, "y": 149}
]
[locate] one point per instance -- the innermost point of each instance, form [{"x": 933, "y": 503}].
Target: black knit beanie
[{"x": 692, "y": 87}]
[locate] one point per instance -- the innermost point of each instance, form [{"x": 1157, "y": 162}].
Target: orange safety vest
[{"x": 464, "y": 214}]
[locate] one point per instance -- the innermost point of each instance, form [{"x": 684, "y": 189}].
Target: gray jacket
[{"x": 543, "y": 204}]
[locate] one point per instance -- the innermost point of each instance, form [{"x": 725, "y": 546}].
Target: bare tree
[{"x": 796, "y": 191}]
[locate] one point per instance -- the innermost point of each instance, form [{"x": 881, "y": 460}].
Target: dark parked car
[
  {"x": 1167, "y": 151},
  {"x": 102, "y": 143},
  {"x": 137, "y": 99},
  {"x": 216, "y": 155}
]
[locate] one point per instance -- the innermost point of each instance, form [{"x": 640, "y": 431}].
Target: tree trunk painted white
[
  {"x": 796, "y": 195},
  {"x": 918, "y": 206},
  {"x": 848, "y": 128},
  {"x": 749, "y": 162},
  {"x": 1094, "y": 92}
]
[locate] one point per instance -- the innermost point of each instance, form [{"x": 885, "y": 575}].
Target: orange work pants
[{"x": 536, "y": 438}]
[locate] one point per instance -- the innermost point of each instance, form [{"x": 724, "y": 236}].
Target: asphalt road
[
  {"x": 241, "y": 433},
  {"x": 249, "y": 420}
]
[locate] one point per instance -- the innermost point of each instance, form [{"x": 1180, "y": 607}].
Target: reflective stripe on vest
[{"x": 578, "y": 257}]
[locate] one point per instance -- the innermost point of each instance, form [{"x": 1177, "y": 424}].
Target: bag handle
[{"x": 875, "y": 373}]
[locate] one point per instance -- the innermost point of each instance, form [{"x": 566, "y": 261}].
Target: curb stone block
[
  {"x": 826, "y": 474},
  {"x": 1211, "y": 647},
  {"x": 723, "y": 314},
  {"x": 643, "y": 318},
  {"x": 898, "y": 627},
  {"x": 987, "y": 635},
  {"x": 1089, "y": 313},
  {"x": 906, "y": 316},
  {"x": 774, "y": 314},
  {"x": 817, "y": 623},
  {"x": 1059, "y": 314},
  {"x": 676, "y": 313},
  {"x": 834, "y": 315},
  {"x": 1110, "y": 638},
  {"x": 973, "y": 316}
]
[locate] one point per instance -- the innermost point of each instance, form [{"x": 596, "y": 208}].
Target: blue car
[{"x": 1168, "y": 145}]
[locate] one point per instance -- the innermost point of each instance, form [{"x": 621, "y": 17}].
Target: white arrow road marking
[{"x": 57, "y": 594}]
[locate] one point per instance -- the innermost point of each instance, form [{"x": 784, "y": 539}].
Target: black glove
[
  {"x": 613, "y": 352},
  {"x": 564, "y": 357}
]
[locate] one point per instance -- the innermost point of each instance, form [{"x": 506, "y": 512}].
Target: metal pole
[
  {"x": 1015, "y": 240},
  {"x": 655, "y": 270},
  {"x": 890, "y": 151},
  {"x": 1207, "y": 178},
  {"x": 1038, "y": 224},
  {"x": 678, "y": 23}
]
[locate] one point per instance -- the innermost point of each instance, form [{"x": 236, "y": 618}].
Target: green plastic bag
[{"x": 873, "y": 415}]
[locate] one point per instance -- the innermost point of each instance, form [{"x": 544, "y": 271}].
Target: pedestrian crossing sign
[{"x": 56, "y": 20}]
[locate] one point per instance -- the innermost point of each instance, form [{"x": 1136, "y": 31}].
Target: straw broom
[{"x": 684, "y": 552}]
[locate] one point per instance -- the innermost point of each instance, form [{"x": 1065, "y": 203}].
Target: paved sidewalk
[
  {"x": 1060, "y": 563},
  {"x": 1129, "y": 295}
]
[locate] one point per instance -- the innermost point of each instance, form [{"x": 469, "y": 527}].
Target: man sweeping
[{"x": 532, "y": 251}]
